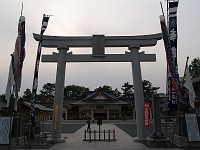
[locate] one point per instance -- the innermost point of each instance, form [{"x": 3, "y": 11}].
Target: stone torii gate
[{"x": 98, "y": 44}]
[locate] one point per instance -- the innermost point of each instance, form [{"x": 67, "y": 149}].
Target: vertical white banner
[
  {"x": 192, "y": 127},
  {"x": 5, "y": 124}
]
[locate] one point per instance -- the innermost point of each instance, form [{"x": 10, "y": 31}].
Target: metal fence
[{"x": 99, "y": 135}]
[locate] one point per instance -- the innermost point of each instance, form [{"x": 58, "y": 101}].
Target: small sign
[
  {"x": 192, "y": 127},
  {"x": 55, "y": 115},
  {"x": 146, "y": 115},
  {"x": 5, "y": 123}
]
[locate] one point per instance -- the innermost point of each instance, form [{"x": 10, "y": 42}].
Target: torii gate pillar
[
  {"x": 59, "y": 95},
  {"x": 138, "y": 90}
]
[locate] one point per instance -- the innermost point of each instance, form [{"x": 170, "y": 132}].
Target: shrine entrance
[
  {"x": 98, "y": 44},
  {"x": 100, "y": 113}
]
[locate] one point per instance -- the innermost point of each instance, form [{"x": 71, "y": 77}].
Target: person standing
[{"x": 88, "y": 123}]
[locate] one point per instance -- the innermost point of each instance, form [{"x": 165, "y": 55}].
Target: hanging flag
[
  {"x": 44, "y": 23},
  {"x": 189, "y": 86},
  {"x": 35, "y": 78},
  {"x": 19, "y": 53},
  {"x": 146, "y": 115},
  {"x": 10, "y": 83},
  {"x": 173, "y": 98},
  {"x": 169, "y": 56}
]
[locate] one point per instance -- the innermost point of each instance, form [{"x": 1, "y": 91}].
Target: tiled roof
[
  {"x": 38, "y": 106},
  {"x": 94, "y": 99},
  {"x": 67, "y": 102},
  {"x": 130, "y": 101},
  {"x": 100, "y": 102}
]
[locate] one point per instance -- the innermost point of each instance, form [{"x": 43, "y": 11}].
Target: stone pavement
[{"x": 123, "y": 141}]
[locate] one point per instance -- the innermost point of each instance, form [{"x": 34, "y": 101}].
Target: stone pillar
[
  {"x": 157, "y": 132},
  {"x": 138, "y": 91},
  {"x": 59, "y": 95}
]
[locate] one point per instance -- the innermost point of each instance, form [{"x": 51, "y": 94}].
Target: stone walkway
[{"x": 123, "y": 141}]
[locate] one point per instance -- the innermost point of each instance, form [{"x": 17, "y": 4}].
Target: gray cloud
[{"x": 78, "y": 17}]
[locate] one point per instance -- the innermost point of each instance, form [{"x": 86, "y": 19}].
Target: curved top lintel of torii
[{"x": 104, "y": 41}]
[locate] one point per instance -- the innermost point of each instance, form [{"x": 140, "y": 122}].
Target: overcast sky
[{"x": 88, "y": 17}]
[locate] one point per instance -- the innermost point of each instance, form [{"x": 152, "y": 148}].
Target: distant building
[
  {"x": 42, "y": 113},
  {"x": 97, "y": 103}
]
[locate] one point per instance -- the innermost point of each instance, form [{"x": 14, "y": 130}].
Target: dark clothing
[{"x": 88, "y": 127}]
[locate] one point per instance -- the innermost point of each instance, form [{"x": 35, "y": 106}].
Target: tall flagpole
[
  {"x": 186, "y": 65},
  {"x": 168, "y": 13},
  {"x": 37, "y": 62}
]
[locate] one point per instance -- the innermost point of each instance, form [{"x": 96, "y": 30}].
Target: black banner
[
  {"x": 35, "y": 79},
  {"x": 173, "y": 98}
]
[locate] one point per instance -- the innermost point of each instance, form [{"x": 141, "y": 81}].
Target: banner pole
[{"x": 36, "y": 72}]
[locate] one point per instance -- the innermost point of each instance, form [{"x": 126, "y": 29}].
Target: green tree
[
  {"x": 148, "y": 88},
  {"x": 48, "y": 89},
  {"x": 75, "y": 91},
  {"x": 195, "y": 68},
  {"x": 116, "y": 93},
  {"x": 105, "y": 88},
  {"x": 127, "y": 90},
  {"x": 108, "y": 89},
  {"x": 27, "y": 94}
]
